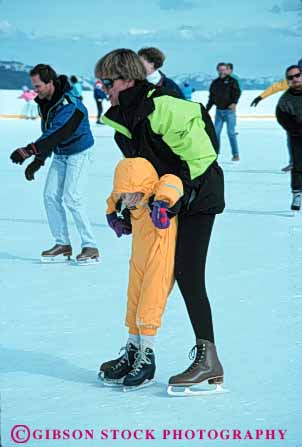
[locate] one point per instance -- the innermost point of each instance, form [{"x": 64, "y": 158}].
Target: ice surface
[{"x": 59, "y": 322}]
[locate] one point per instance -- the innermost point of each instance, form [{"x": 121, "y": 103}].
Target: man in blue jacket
[{"x": 66, "y": 132}]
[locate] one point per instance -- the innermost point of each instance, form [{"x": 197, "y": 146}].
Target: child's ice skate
[
  {"x": 122, "y": 366},
  {"x": 143, "y": 370},
  {"x": 205, "y": 367},
  {"x": 58, "y": 253}
]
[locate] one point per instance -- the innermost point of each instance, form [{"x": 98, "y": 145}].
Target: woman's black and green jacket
[{"x": 176, "y": 136}]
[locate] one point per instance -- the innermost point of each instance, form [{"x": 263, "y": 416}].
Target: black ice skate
[
  {"x": 104, "y": 367},
  {"x": 296, "y": 203},
  {"x": 205, "y": 367},
  {"x": 58, "y": 253},
  {"x": 122, "y": 366},
  {"x": 143, "y": 370},
  {"x": 88, "y": 255}
]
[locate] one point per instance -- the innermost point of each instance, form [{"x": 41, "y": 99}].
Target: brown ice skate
[
  {"x": 58, "y": 253},
  {"x": 205, "y": 367}
]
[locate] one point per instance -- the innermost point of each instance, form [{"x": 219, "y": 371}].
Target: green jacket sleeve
[{"x": 182, "y": 128}]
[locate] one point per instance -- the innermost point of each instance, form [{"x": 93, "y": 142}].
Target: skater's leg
[
  {"x": 158, "y": 281},
  {"x": 290, "y": 160},
  {"x": 53, "y": 200},
  {"x": 219, "y": 120},
  {"x": 100, "y": 110},
  {"x": 191, "y": 252},
  {"x": 76, "y": 171},
  {"x": 296, "y": 172},
  {"x": 231, "y": 129}
]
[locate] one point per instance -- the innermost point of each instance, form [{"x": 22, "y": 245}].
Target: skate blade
[
  {"x": 113, "y": 382},
  {"x": 134, "y": 388},
  {"x": 88, "y": 261},
  {"x": 189, "y": 392},
  {"x": 55, "y": 259}
]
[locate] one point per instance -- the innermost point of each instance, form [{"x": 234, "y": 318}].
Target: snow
[{"x": 59, "y": 322}]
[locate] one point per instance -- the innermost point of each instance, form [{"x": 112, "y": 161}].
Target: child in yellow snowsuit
[{"x": 151, "y": 277}]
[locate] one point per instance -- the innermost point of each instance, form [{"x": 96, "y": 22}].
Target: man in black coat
[
  {"x": 224, "y": 94},
  {"x": 289, "y": 116}
]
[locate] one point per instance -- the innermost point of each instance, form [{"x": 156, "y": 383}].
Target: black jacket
[
  {"x": 289, "y": 112},
  {"x": 136, "y": 138},
  {"x": 223, "y": 93},
  {"x": 169, "y": 84}
]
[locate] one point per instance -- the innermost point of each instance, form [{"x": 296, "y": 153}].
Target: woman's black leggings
[{"x": 193, "y": 238}]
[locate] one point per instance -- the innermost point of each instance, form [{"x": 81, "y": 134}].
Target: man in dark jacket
[
  {"x": 289, "y": 116},
  {"x": 66, "y": 132},
  {"x": 224, "y": 94},
  {"x": 99, "y": 96},
  {"x": 153, "y": 59}
]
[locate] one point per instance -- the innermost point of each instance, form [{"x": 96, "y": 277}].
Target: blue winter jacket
[{"x": 64, "y": 122}]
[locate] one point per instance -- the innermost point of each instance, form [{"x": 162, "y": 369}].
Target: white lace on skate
[{"x": 140, "y": 359}]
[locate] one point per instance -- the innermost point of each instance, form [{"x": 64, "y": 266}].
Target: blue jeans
[
  {"x": 228, "y": 116},
  {"x": 63, "y": 186}
]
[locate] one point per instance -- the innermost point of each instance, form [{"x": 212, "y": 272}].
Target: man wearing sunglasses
[{"x": 289, "y": 116}]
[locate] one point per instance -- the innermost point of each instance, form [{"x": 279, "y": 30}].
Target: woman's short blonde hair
[{"x": 121, "y": 63}]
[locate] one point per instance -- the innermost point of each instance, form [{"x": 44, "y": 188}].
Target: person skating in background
[
  {"x": 230, "y": 71},
  {"x": 224, "y": 94},
  {"x": 176, "y": 137},
  {"x": 271, "y": 90},
  {"x": 153, "y": 202},
  {"x": 99, "y": 95},
  {"x": 30, "y": 108},
  {"x": 187, "y": 90},
  {"x": 76, "y": 88},
  {"x": 289, "y": 116},
  {"x": 66, "y": 132},
  {"x": 153, "y": 59}
]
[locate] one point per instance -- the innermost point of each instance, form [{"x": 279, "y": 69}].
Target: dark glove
[
  {"x": 32, "y": 168},
  {"x": 118, "y": 224},
  {"x": 256, "y": 101},
  {"x": 19, "y": 155},
  {"x": 159, "y": 214}
]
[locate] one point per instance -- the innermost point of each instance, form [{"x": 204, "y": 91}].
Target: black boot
[
  {"x": 123, "y": 365},
  {"x": 143, "y": 370}
]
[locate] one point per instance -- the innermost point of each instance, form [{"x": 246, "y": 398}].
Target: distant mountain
[
  {"x": 13, "y": 75},
  {"x": 202, "y": 81}
]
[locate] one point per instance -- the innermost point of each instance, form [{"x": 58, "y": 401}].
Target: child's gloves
[
  {"x": 118, "y": 224},
  {"x": 159, "y": 214}
]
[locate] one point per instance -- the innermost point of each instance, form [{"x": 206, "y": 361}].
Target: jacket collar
[
  {"x": 62, "y": 87},
  {"x": 134, "y": 105}
]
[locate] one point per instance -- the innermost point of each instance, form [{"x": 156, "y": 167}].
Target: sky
[{"x": 260, "y": 37}]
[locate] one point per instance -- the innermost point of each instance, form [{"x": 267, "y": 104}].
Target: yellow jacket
[
  {"x": 151, "y": 275},
  {"x": 275, "y": 88}
]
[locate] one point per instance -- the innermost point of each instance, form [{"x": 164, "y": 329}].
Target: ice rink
[{"x": 59, "y": 322}]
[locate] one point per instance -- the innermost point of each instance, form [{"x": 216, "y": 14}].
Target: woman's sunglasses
[{"x": 108, "y": 83}]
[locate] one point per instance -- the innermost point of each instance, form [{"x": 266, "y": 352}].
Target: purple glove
[
  {"x": 159, "y": 215},
  {"x": 118, "y": 224}
]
